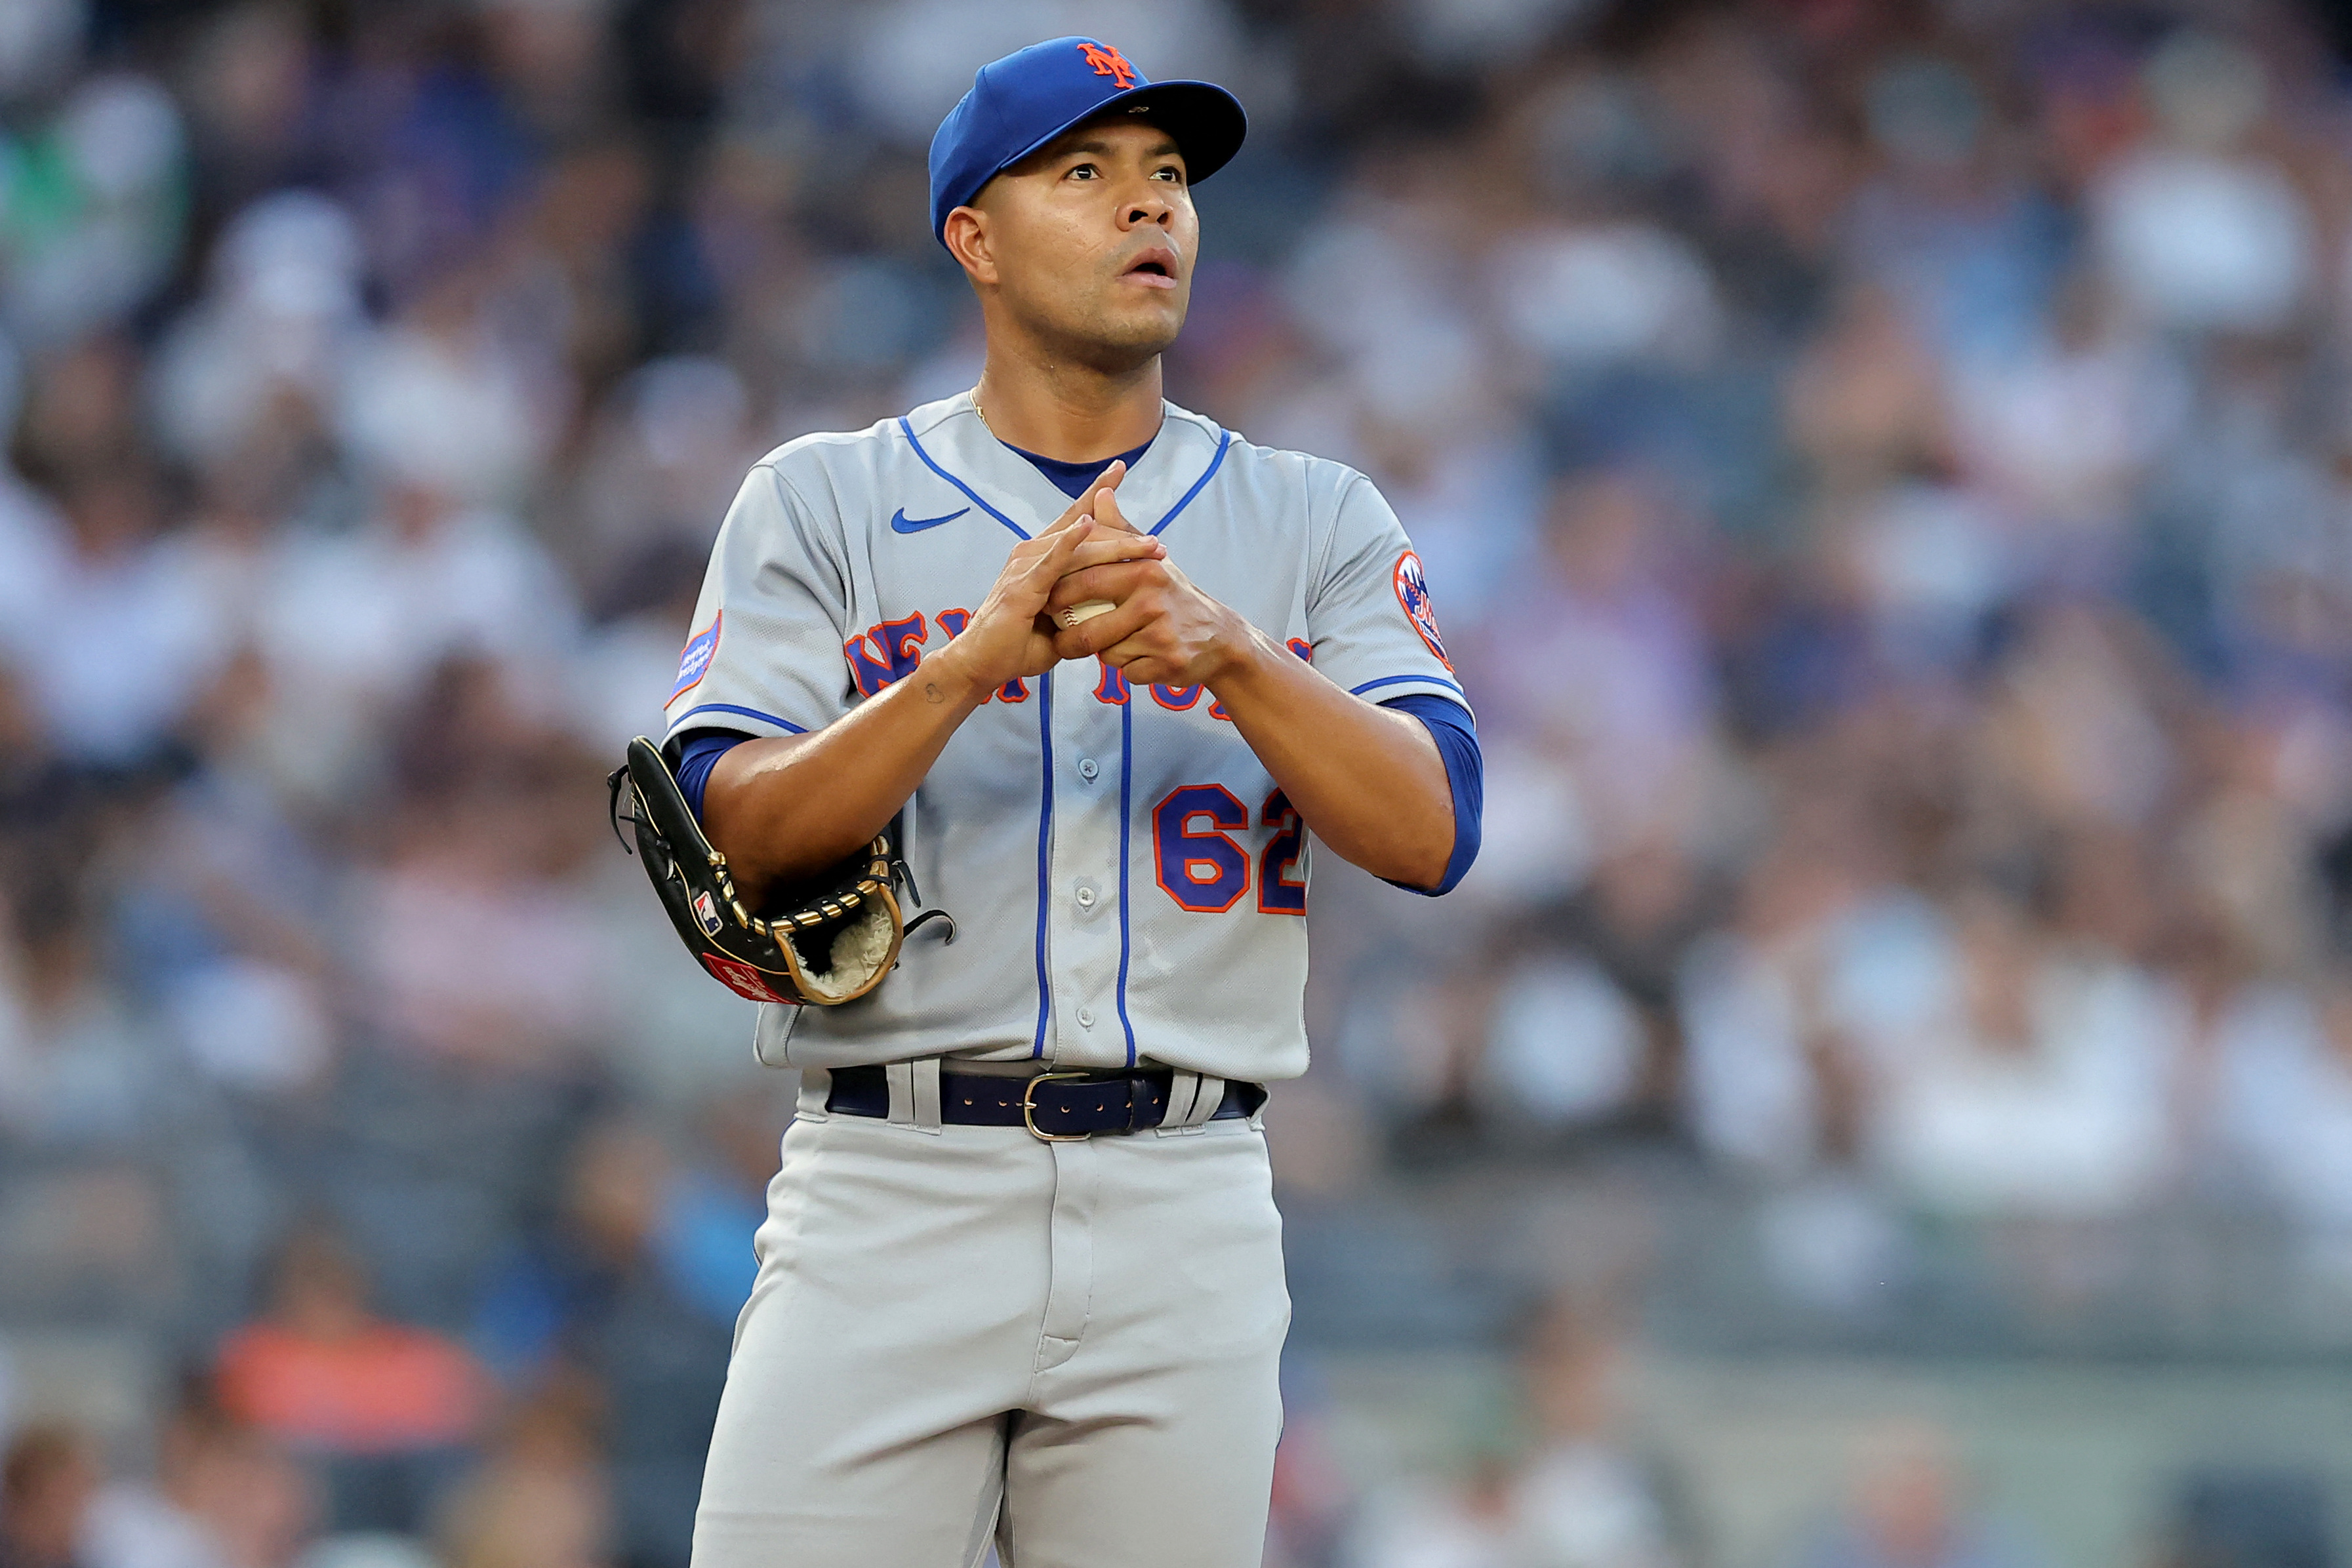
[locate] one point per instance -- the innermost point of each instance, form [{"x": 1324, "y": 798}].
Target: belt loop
[
  {"x": 914, "y": 1094},
  {"x": 816, "y": 1087},
  {"x": 1193, "y": 1099},
  {"x": 1182, "y": 1087},
  {"x": 927, "y": 1094}
]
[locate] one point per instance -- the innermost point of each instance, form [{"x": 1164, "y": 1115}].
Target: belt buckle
[{"x": 1029, "y": 1108}]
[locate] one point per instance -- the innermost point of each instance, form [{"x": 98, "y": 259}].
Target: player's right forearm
[{"x": 788, "y": 807}]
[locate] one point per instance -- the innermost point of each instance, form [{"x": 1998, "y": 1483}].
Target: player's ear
[{"x": 966, "y": 236}]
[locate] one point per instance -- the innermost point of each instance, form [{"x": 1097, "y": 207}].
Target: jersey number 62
[{"x": 1199, "y": 864}]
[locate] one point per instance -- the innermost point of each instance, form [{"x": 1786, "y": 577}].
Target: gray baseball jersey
[{"x": 1127, "y": 882}]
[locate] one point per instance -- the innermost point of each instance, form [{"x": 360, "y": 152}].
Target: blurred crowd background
[{"x": 1884, "y": 1100}]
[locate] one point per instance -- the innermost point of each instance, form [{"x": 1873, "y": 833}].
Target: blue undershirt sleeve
[
  {"x": 1457, "y": 734},
  {"x": 698, "y": 751}
]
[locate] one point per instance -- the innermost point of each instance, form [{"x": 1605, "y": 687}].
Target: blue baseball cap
[{"x": 1021, "y": 103}]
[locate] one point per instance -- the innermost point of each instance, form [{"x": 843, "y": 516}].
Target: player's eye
[
  {"x": 1085, "y": 172},
  {"x": 1169, "y": 172}
]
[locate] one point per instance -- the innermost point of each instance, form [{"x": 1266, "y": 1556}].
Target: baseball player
[{"x": 1106, "y": 665}]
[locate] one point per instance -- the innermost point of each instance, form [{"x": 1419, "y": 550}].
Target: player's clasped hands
[
  {"x": 1011, "y": 637},
  {"x": 1160, "y": 628}
]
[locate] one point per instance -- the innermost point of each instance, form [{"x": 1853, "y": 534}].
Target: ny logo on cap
[{"x": 1108, "y": 62}]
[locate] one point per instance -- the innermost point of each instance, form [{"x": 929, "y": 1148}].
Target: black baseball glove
[{"x": 827, "y": 940}]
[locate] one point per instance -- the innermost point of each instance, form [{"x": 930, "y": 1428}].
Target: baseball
[{"x": 1086, "y": 610}]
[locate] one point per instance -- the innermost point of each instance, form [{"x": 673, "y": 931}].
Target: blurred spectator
[
  {"x": 384, "y": 1407},
  {"x": 354, "y": 624},
  {"x": 48, "y": 1477},
  {"x": 265, "y": 349},
  {"x": 90, "y": 238},
  {"x": 2260, "y": 1518},
  {"x": 124, "y": 642},
  {"x": 2042, "y": 1089},
  {"x": 224, "y": 1495},
  {"x": 1579, "y": 1494},
  {"x": 1586, "y": 1495},
  {"x": 1566, "y": 1046},
  {"x": 663, "y": 463},
  {"x": 546, "y": 1303},
  {"x": 1585, "y": 1028},
  {"x": 1466, "y": 1526},
  {"x": 2285, "y": 1108},
  {"x": 635, "y": 1287},
  {"x": 2197, "y": 234},
  {"x": 80, "y": 1076},
  {"x": 1604, "y": 602},
  {"x": 32, "y": 535},
  {"x": 720, "y": 1189},
  {"x": 480, "y": 951},
  {"x": 540, "y": 1498},
  {"x": 1908, "y": 1510},
  {"x": 249, "y": 86},
  {"x": 1764, "y": 1086}
]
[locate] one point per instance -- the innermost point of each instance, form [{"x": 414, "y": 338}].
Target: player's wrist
[
  {"x": 948, "y": 677},
  {"x": 1234, "y": 655}
]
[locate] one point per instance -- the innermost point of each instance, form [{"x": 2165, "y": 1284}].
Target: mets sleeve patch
[{"x": 1412, "y": 593}]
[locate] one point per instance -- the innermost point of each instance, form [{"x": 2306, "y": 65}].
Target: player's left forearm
[{"x": 1369, "y": 781}]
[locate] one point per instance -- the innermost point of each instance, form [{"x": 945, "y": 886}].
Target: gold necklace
[{"x": 982, "y": 413}]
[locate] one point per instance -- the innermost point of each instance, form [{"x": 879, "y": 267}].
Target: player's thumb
[{"x": 1107, "y": 510}]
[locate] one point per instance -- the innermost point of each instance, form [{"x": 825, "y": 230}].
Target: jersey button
[
  {"x": 1086, "y": 1017},
  {"x": 1086, "y": 769},
  {"x": 1086, "y": 898}
]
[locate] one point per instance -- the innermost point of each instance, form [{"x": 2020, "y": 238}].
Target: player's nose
[{"x": 1152, "y": 209}]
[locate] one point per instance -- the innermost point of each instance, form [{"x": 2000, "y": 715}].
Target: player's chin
[
  {"x": 1139, "y": 323},
  {"x": 1164, "y": 307},
  {"x": 1118, "y": 345}
]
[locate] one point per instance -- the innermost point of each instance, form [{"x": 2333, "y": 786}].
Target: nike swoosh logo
[{"x": 900, "y": 523}]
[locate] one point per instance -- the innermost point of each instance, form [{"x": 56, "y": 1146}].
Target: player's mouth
[{"x": 1155, "y": 267}]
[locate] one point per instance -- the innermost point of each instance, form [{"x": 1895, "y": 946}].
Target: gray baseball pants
[{"x": 964, "y": 1331}]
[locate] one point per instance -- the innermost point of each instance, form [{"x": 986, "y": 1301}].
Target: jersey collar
[{"x": 949, "y": 433}]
